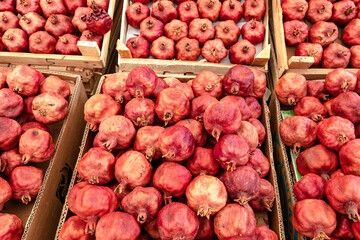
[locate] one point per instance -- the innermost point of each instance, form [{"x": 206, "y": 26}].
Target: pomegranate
[
  {"x": 9, "y": 160},
  {"x": 136, "y": 13},
  {"x": 231, "y": 10},
  {"x": 350, "y": 33},
  {"x": 202, "y": 162},
  {"x": 259, "y": 162},
  {"x": 317, "y": 89},
  {"x": 160, "y": 85},
  {"x": 319, "y": 10},
  {"x": 343, "y": 12},
  {"x": 152, "y": 229},
  {"x": 336, "y": 56},
  {"x": 116, "y": 132},
  {"x": 98, "y": 21},
  {"x": 295, "y": 32},
  {"x": 337, "y": 173},
  {"x": 346, "y": 105},
  {"x": 340, "y": 80},
  {"x": 71, "y": 6},
  {"x": 294, "y": 10},
  {"x": 15, "y": 40},
  {"x": 141, "y": 81},
  {"x": 8, "y": 20},
  {"x": 188, "y": 11},
  {"x": 25, "y": 182},
  {"x": 55, "y": 84},
  {"x": 7, "y": 5},
  {"x": 239, "y": 80},
  {"x": 234, "y": 220},
  {"x": 200, "y": 104},
  {"x": 88, "y": 36},
  {"x": 73, "y": 228},
  {"x": 291, "y": 88},
  {"x": 141, "y": 111},
  {"x": 49, "y": 107},
  {"x": 312, "y": 108},
  {"x": 209, "y": 9},
  {"x": 10, "y": 132},
  {"x": 201, "y": 30},
  {"x": 164, "y": 11},
  {"x": 207, "y": 82},
  {"x": 298, "y": 133},
  {"x": 11, "y": 104},
  {"x": 259, "y": 128},
  {"x": 99, "y": 107},
  {"x": 30, "y": 125},
  {"x": 50, "y": 7},
  {"x": 177, "y": 221},
  {"x": 91, "y": 202},
  {"x": 172, "y": 105},
  {"x": 104, "y": 4},
  {"x": 335, "y": 131},
  {"x": 176, "y": 30},
  {"x": 11, "y": 226},
  {"x": 314, "y": 218},
  {"x": 187, "y": 49},
  {"x": 163, "y": 48},
  {"x": 206, "y": 228},
  {"x": 314, "y": 50},
  {"x": 326, "y": 161},
  {"x": 349, "y": 157},
  {"x": 222, "y": 118},
  {"x": 228, "y": 32},
  {"x": 266, "y": 197},
  {"x": 323, "y": 33},
  {"x": 67, "y": 45},
  {"x": 241, "y": 104},
  {"x": 151, "y": 28},
  {"x": 343, "y": 197},
  {"x": 58, "y": 25},
  {"x": 254, "y": 9},
  {"x": 26, "y": 6},
  {"x": 42, "y": 42},
  {"x": 146, "y": 141},
  {"x": 355, "y": 57},
  {"x": 185, "y": 88},
  {"x": 196, "y": 129},
  {"x": 142, "y": 203},
  {"x": 259, "y": 85},
  {"x": 343, "y": 227},
  {"x": 310, "y": 186},
  {"x": 242, "y": 52},
  {"x": 114, "y": 85},
  {"x": 253, "y": 31},
  {"x": 79, "y": 18},
  {"x": 248, "y": 132},
  {"x": 214, "y": 50},
  {"x": 254, "y": 106},
  {"x": 263, "y": 232},
  {"x": 32, "y": 22},
  {"x": 172, "y": 179},
  {"x": 5, "y": 190}
]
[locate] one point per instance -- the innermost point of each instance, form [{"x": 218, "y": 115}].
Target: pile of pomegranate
[
  {"x": 28, "y": 102},
  {"x": 173, "y": 160},
  {"x": 330, "y": 21},
  {"x": 52, "y": 26},
  {"x": 325, "y": 134},
  {"x": 186, "y": 29}
]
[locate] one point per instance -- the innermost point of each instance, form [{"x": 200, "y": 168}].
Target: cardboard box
[
  {"x": 126, "y": 62},
  {"x": 272, "y": 219},
  {"x": 41, "y": 215}
]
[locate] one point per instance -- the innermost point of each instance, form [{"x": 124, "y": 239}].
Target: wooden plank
[
  {"x": 299, "y": 62},
  {"x": 89, "y": 48}
]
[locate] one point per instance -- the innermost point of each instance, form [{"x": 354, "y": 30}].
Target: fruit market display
[
  {"x": 52, "y": 26},
  {"x": 325, "y": 30},
  {"x": 173, "y": 160},
  {"x": 324, "y": 133},
  {"x": 184, "y": 30},
  {"x": 28, "y": 102}
]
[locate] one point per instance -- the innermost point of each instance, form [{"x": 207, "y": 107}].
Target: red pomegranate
[
  {"x": 314, "y": 50},
  {"x": 141, "y": 81},
  {"x": 58, "y": 25},
  {"x": 214, "y": 50},
  {"x": 312, "y": 108},
  {"x": 310, "y": 186},
  {"x": 259, "y": 162},
  {"x": 50, "y": 7},
  {"x": 295, "y": 32},
  {"x": 294, "y": 10},
  {"x": 248, "y": 132},
  {"x": 24, "y": 80},
  {"x": 206, "y": 228},
  {"x": 5, "y": 192},
  {"x": 79, "y": 18},
  {"x": 25, "y": 6},
  {"x": 104, "y": 4},
  {"x": 266, "y": 197},
  {"x": 98, "y": 21},
  {"x": 350, "y": 157},
  {"x": 241, "y": 104},
  {"x": 163, "y": 48},
  {"x": 141, "y": 111},
  {"x": 319, "y": 10},
  {"x": 187, "y": 49},
  {"x": 188, "y": 11},
  {"x": 185, "y": 88},
  {"x": 10, "y": 131},
  {"x": 42, "y": 42},
  {"x": 239, "y": 80},
  {"x": 88, "y": 36},
  {"x": 136, "y": 13},
  {"x": 71, "y": 6},
  {"x": 164, "y": 11},
  {"x": 146, "y": 142},
  {"x": 350, "y": 33},
  {"x": 176, "y": 30},
  {"x": 254, "y": 9},
  {"x": 317, "y": 89},
  {"x": 67, "y": 45},
  {"x": 32, "y": 22},
  {"x": 242, "y": 52},
  {"x": 73, "y": 228},
  {"x": 201, "y": 29},
  {"x": 114, "y": 85},
  {"x": 263, "y": 232},
  {"x": 343, "y": 12},
  {"x": 196, "y": 129},
  {"x": 228, "y": 32},
  {"x": 231, "y": 10},
  {"x": 346, "y": 105},
  {"x": 11, "y": 103},
  {"x": 151, "y": 28},
  {"x": 11, "y": 226},
  {"x": 209, "y": 9},
  {"x": 343, "y": 227},
  {"x": 25, "y": 182},
  {"x": 8, "y": 20},
  {"x": 253, "y": 31},
  {"x": 7, "y": 5},
  {"x": 323, "y": 33},
  {"x": 55, "y": 84},
  {"x": 339, "y": 81},
  {"x": 199, "y": 105},
  {"x": 9, "y": 160},
  {"x": 160, "y": 85},
  {"x": 336, "y": 56},
  {"x": 259, "y": 128},
  {"x": 291, "y": 88},
  {"x": 202, "y": 162},
  {"x": 207, "y": 82},
  {"x": 49, "y": 107}
]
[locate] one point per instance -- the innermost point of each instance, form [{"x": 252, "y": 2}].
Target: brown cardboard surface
[{"x": 41, "y": 215}]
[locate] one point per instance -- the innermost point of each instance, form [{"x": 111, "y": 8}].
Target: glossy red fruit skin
[
  {"x": 59, "y": 25},
  {"x": 12, "y": 226},
  {"x": 115, "y": 86},
  {"x": 319, "y": 10},
  {"x": 327, "y": 161},
  {"x": 248, "y": 132},
  {"x": 15, "y": 40},
  {"x": 202, "y": 30},
  {"x": 343, "y": 12},
  {"x": 241, "y": 104},
  {"x": 24, "y": 80},
  {"x": 55, "y": 84},
  {"x": 339, "y": 81},
  {"x": 8, "y": 20},
  {"x": 234, "y": 220},
  {"x": 346, "y": 105},
  {"x": 266, "y": 197},
  {"x": 259, "y": 128},
  {"x": 259, "y": 162},
  {"x": 136, "y": 13},
  {"x": 116, "y": 132},
  {"x": 294, "y": 10},
  {"x": 298, "y": 133},
  {"x": 104, "y": 4},
  {"x": 317, "y": 89},
  {"x": 253, "y": 31},
  {"x": 228, "y": 32},
  {"x": 207, "y": 82},
  {"x": 141, "y": 111},
  {"x": 350, "y": 32},
  {"x": 172, "y": 105},
  {"x": 143, "y": 203},
  {"x": 214, "y": 51},
  {"x": 206, "y": 228},
  {"x": 50, "y": 7},
  {"x": 187, "y": 49},
  {"x": 222, "y": 118},
  {"x": 291, "y": 88},
  {"x": 355, "y": 57},
  {"x": 343, "y": 227},
  {"x": 350, "y": 158},
  {"x": 295, "y": 32},
  {"x": 71, "y": 6},
  {"x": 141, "y": 81},
  {"x": 310, "y": 186},
  {"x": 314, "y": 50},
  {"x": 49, "y": 107},
  {"x": 73, "y": 228},
  {"x": 177, "y": 221},
  {"x": 146, "y": 142},
  {"x": 5, "y": 190},
  {"x": 7, "y": 5},
  {"x": 79, "y": 18},
  {"x": 202, "y": 162},
  {"x": 323, "y": 33},
  {"x": 314, "y": 218},
  {"x": 188, "y": 11},
  {"x": 231, "y": 10},
  {"x": 151, "y": 28},
  {"x": 206, "y": 195},
  {"x": 27, "y": 6},
  {"x": 99, "y": 21},
  {"x": 199, "y": 105},
  {"x": 335, "y": 131},
  {"x": 10, "y": 131},
  {"x": 254, "y": 9},
  {"x": 209, "y": 9},
  {"x": 30, "y": 125},
  {"x": 9, "y": 160},
  {"x": 176, "y": 30},
  {"x": 254, "y": 106},
  {"x": 312, "y": 108},
  {"x": 67, "y": 45},
  {"x": 42, "y": 42},
  {"x": 242, "y": 52},
  {"x": 163, "y": 48},
  {"x": 342, "y": 198},
  {"x": 336, "y": 56},
  {"x": 239, "y": 80},
  {"x": 263, "y": 232},
  {"x": 11, "y": 103},
  {"x": 32, "y": 22},
  {"x": 196, "y": 129},
  {"x": 25, "y": 182}
]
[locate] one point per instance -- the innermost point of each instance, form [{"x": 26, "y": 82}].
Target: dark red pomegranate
[
  {"x": 15, "y": 40},
  {"x": 136, "y": 13},
  {"x": 350, "y": 33},
  {"x": 141, "y": 81},
  {"x": 55, "y": 84},
  {"x": 339, "y": 81},
  {"x": 71, "y": 6},
  {"x": 177, "y": 221},
  {"x": 185, "y": 88},
  {"x": 209, "y": 9},
  {"x": 146, "y": 142},
  {"x": 350, "y": 158},
  {"x": 312, "y": 108},
  {"x": 266, "y": 197},
  {"x": 214, "y": 50},
  {"x": 32, "y": 22},
  {"x": 59, "y": 25},
  {"x": 164, "y": 11},
  {"x": 259, "y": 162},
  {"x": 79, "y": 18},
  {"x": 319, "y": 10},
  {"x": 151, "y": 28},
  {"x": 99, "y": 21},
  {"x": 314, "y": 50},
  {"x": 114, "y": 85},
  {"x": 317, "y": 89},
  {"x": 310, "y": 186},
  {"x": 231, "y": 10},
  {"x": 294, "y": 10},
  {"x": 10, "y": 131},
  {"x": 8, "y": 20},
  {"x": 199, "y": 105},
  {"x": 73, "y": 228},
  {"x": 104, "y": 4},
  {"x": 346, "y": 105},
  {"x": 202, "y": 162},
  {"x": 295, "y": 32},
  {"x": 323, "y": 33},
  {"x": 5, "y": 192},
  {"x": 343, "y": 12},
  {"x": 188, "y": 11},
  {"x": 201, "y": 29},
  {"x": 141, "y": 111},
  {"x": 259, "y": 128},
  {"x": 11, "y": 103},
  {"x": 163, "y": 48},
  {"x": 172, "y": 179},
  {"x": 99, "y": 107},
  {"x": 254, "y": 9},
  {"x": 335, "y": 131},
  {"x": 336, "y": 56},
  {"x": 67, "y": 45},
  {"x": 291, "y": 88},
  {"x": 42, "y": 42},
  {"x": 343, "y": 227},
  {"x": 50, "y": 7},
  {"x": 234, "y": 220},
  {"x": 196, "y": 129},
  {"x": 24, "y": 80},
  {"x": 206, "y": 228},
  {"x": 25, "y": 182},
  {"x": 49, "y": 107},
  {"x": 11, "y": 226},
  {"x": 228, "y": 32},
  {"x": 9, "y": 160},
  {"x": 241, "y": 104},
  {"x": 239, "y": 80},
  {"x": 263, "y": 232},
  {"x": 187, "y": 49},
  {"x": 30, "y": 125},
  {"x": 253, "y": 31},
  {"x": 207, "y": 82},
  {"x": 7, "y": 5},
  {"x": 242, "y": 184},
  {"x": 242, "y": 52}
]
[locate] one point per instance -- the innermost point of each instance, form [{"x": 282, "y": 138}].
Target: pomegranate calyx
[
  {"x": 345, "y": 86},
  {"x": 138, "y": 9},
  {"x": 235, "y": 88},
  {"x": 94, "y": 180},
  {"x": 268, "y": 204},
  {"x": 230, "y": 166},
  {"x": 26, "y": 158},
  {"x": 352, "y": 211},
  {"x": 187, "y": 6},
  {"x": 203, "y": 27},
  {"x": 4, "y": 18},
  {"x": 26, "y": 199},
  {"x": 139, "y": 94},
  {"x": 322, "y": 9},
  {"x": 296, "y": 31},
  {"x": 297, "y": 148},
  {"x": 242, "y": 200},
  {"x": 121, "y": 187},
  {"x": 91, "y": 225},
  {"x": 169, "y": 155},
  {"x": 205, "y": 211},
  {"x": 142, "y": 216},
  {"x": 321, "y": 236},
  {"x": 231, "y": 4},
  {"x": 25, "y": 19},
  {"x": 167, "y": 198},
  {"x": 342, "y": 137},
  {"x": 150, "y": 152},
  {"x": 325, "y": 176},
  {"x": 161, "y": 7},
  {"x": 211, "y": 4},
  {"x": 301, "y": 8},
  {"x": 93, "y": 127},
  {"x": 216, "y": 132},
  {"x": 291, "y": 100}
]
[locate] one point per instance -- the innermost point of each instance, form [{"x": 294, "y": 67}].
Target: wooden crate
[{"x": 126, "y": 62}]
